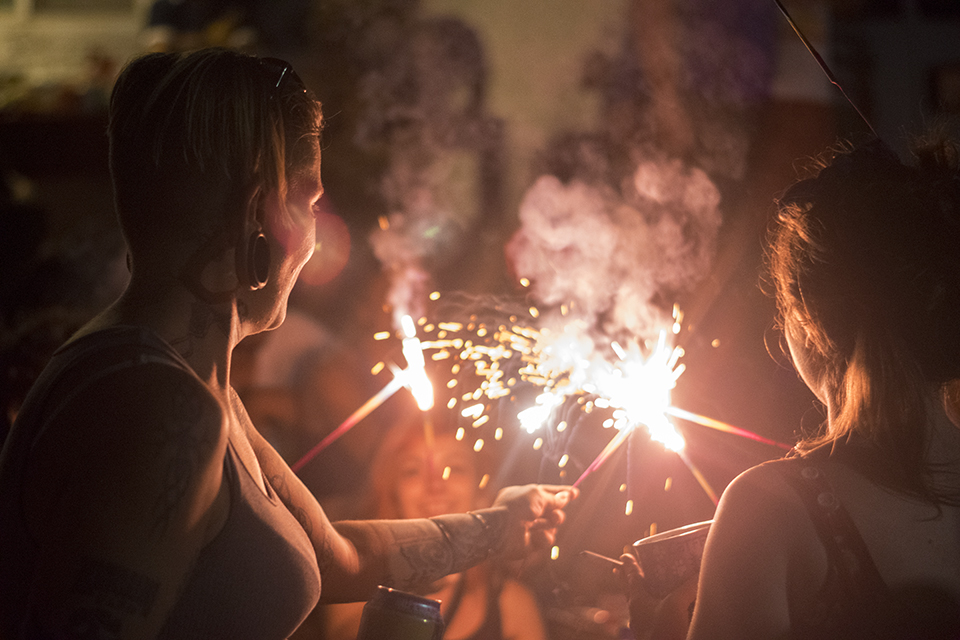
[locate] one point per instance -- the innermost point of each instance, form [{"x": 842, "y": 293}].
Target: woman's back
[{"x": 814, "y": 546}]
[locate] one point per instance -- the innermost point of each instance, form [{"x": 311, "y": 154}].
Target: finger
[
  {"x": 542, "y": 538},
  {"x": 561, "y": 491},
  {"x": 554, "y": 501},
  {"x": 541, "y": 524},
  {"x": 630, "y": 564},
  {"x": 553, "y": 518}
]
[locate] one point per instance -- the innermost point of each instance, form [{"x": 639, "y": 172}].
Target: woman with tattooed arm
[{"x": 136, "y": 498}]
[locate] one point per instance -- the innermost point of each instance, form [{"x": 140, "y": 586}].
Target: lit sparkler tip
[{"x": 415, "y": 375}]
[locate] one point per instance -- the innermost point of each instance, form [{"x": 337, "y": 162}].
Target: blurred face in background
[{"x": 432, "y": 482}]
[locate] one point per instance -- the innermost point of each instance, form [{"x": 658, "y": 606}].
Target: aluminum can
[{"x": 398, "y": 615}]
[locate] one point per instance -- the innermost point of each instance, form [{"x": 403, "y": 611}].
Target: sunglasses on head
[{"x": 282, "y": 71}]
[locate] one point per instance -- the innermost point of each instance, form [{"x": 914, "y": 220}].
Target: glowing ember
[{"x": 415, "y": 375}]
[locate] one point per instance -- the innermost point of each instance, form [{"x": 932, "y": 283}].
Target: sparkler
[
  {"x": 379, "y": 398},
  {"x": 416, "y": 373},
  {"x": 723, "y": 426},
  {"x": 414, "y": 377},
  {"x": 565, "y": 362},
  {"x": 417, "y": 380},
  {"x": 634, "y": 381},
  {"x": 603, "y": 558}
]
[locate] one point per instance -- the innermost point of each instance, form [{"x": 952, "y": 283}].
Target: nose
[{"x": 436, "y": 477}]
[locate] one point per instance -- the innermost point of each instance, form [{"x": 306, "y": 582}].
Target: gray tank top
[{"x": 257, "y": 579}]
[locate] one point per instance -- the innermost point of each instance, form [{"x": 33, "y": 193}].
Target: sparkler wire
[
  {"x": 701, "y": 479},
  {"x": 608, "y": 450},
  {"x": 723, "y": 426},
  {"x": 379, "y": 398}
]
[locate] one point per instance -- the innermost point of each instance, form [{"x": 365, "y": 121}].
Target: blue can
[{"x": 397, "y": 615}]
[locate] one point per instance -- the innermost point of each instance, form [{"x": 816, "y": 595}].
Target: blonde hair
[{"x": 188, "y": 132}]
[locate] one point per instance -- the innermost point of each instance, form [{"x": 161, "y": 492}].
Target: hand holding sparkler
[{"x": 534, "y": 513}]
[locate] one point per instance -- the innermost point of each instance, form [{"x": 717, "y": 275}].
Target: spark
[
  {"x": 414, "y": 377},
  {"x": 415, "y": 374},
  {"x": 473, "y": 411}
]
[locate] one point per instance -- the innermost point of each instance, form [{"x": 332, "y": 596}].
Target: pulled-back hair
[
  {"x": 866, "y": 257},
  {"x": 187, "y": 129}
]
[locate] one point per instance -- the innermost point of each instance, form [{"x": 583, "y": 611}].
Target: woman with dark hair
[
  {"x": 857, "y": 535},
  {"x": 137, "y": 500}
]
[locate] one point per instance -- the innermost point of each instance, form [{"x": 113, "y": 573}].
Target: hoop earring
[{"x": 258, "y": 261}]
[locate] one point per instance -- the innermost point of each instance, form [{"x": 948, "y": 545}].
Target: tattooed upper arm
[
  {"x": 107, "y": 601},
  {"x": 125, "y": 494}
]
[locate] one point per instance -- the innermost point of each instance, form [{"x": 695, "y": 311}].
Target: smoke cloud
[{"x": 613, "y": 257}]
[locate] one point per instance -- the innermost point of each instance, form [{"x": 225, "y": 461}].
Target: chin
[
  {"x": 269, "y": 322},
  {"x": 278, "y": 319}
]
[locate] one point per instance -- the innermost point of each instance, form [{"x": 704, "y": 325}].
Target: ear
[{"x": 253, "y": 250}]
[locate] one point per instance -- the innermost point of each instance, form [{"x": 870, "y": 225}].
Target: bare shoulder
[
  {"x": 126, "y": 488},
  {"x": 153, "y": 428},
  {"x": 761, "y": 514},
  {"x": 749, "y": 580},
  {"x": 762, "y": 491}
]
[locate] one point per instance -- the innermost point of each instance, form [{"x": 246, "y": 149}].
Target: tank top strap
[
  {"x": 93, "y": 357},
  {"x": 853, "y": 584}
]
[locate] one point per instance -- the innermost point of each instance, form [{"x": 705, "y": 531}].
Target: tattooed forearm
[
  {"x": 419, "y": 552},
  {"x": 474, "y": 536}
]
